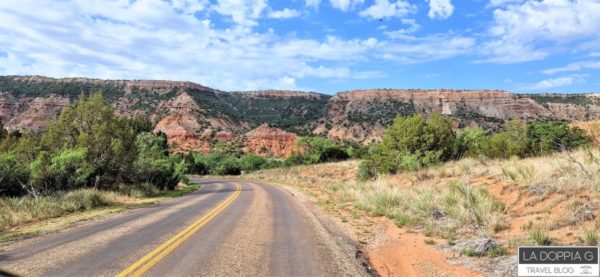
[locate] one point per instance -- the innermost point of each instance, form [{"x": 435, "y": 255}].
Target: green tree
[
  {"x": 69, "y": 169},
  {"x": 547, "y": 137},
  {"x": 153, "y": 165},
  {"x": 14, "y": 175},
  {"x": 252, "y": 162},
  {"x": 470, "y": 142},
  {"x": 414, "y": 141},
  {"x": 227, "y": 166},
  {"x": 3, "y": 132},
  {"x": 93, "y": 125}
]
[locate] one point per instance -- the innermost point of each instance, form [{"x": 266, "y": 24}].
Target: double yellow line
[{"x": 145, "y": 263}]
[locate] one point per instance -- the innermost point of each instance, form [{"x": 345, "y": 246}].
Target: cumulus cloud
[
  {"x": 556, "y": 82},
  {"x": 531, "y": 30},
  {"x": 385, "y": 9},
  {"x": 242, "y": 12},
  {"x": 177, "y": 40},
  {"x": 345, "y": 5},
  {"x": 440, "y": 9},
  {"x": 312, "y": 3},
  {"x": 578, "y": 66},
  {"x": 283, "y": 14},
  {"x": 495, "y": 3}
]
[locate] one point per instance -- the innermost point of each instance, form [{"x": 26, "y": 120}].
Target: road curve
[{"x": 227, "y": 228}]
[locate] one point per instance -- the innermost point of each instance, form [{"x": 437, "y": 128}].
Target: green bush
[
  {"x": 252, "y": 162},
  {"x": 228, "y": 166},
  {"x": 367, "y": 170},
  {"x": 69, "y": 169},
  {"x": 13, "y": 174},
  {"x": 333, "y": 154},
  {"x": 547, "y": 137},
  {"x": 469, "y": 142},
  {"x": 412, "y": 142}
]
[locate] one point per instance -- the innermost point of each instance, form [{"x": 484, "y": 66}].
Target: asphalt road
[{"x": 227, "y": 228}]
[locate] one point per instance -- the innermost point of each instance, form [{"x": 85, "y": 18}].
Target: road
[{"x": 226, "y": 228}]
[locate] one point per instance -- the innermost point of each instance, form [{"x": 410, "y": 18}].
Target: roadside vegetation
[
  {"x": 230, "y": 160},
  {"x": 415, "y": 142},
  {"x": 482, "y": 193},
  {"x": 87, "y": 158}
]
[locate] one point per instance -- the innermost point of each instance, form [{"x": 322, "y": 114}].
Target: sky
[{"x": 325, "y": 46}]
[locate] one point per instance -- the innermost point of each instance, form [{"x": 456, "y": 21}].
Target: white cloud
[
  {"x": 440, "y": 9},
  {"x": 412, "y": 26},
  {"x": 434, "y": 47},
  {"x": 155, "y": 39},
  {"x": 312, "y": 3},
  {"x": 578, "y": 66},
  {"x": 385, "y": 9},
  {"x": 345, "y": 5},
  {"x": 283, "y": 14},
  {"x": 243, "y": 12},
  {"x": 495, "y": 3},
  {"x": 556, "y": 82},
  {"x": 534, "y": 29}
]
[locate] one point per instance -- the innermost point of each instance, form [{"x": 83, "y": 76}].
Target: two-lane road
[{"x": 227, "y": 228}]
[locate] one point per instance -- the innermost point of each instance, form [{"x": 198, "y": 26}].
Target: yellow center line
[{"x": 145, "y": 263}]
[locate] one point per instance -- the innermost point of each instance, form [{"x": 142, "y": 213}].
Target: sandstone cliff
[
  {"x": 180, "y": 130},
  {"x": 266, "y": 140},
  {"x": 196, "y": 115}
]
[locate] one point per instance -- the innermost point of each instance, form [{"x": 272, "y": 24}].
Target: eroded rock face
[
  {"x": 266, "y": 140},
  {"x": 348, "y": 111},
  {"x": 36, "y": 113},
  {"x": 180, "y": 130}
]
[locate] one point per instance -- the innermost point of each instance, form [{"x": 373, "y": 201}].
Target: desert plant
[{"x": 539, "y": 237}]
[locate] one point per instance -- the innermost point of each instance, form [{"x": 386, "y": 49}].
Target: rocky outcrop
[
  {"x": 210, "y": 115},
  {"x": 36, "y": 113},
  {"x": 181, "y": 135},
  {"x": 266, "y": 140},
  {"x": 283, "y": 94},
  {"x": 162, "y": 87},
  {"x": 347, "y": 112}
]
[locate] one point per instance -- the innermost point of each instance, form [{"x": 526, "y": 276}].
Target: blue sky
[{"x": 319, "y": 45}]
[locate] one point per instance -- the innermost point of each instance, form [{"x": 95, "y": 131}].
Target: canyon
[{"x": 194, "y": 117}]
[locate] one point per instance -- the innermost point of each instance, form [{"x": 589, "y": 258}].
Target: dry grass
[
  {"x": 508, "y": 200},
  {"x": 25, "y": 216}
]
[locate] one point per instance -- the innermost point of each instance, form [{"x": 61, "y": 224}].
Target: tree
[
  {"x": 3, "y": 132},
  {"x": 414, "y": 141},
  {"x": 470, "y": 142},
  {"x": 547, "y": 137},
  {"x": 14, "y": 176},
  {"x": 153, "y": 164},
  {"x": 252, "y": 162},
  {"x": 93, "y": 125},
  {"x": 69, "y": 169}
]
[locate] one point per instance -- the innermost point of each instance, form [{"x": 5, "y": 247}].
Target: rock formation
[{"x": 266, "y": 140}]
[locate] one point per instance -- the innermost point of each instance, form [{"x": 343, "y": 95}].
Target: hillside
[{"x": 27, "y": 102}]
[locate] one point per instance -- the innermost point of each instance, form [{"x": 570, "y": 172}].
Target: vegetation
[
  {"x": 88, "y": 146},
  {"x": 230, "y": 160},
  {"x": 289, "y": 113},
  {"x": 413, "y": 142}
]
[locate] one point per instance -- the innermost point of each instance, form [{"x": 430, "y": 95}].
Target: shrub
[
  {"x": 227, "y": 166},
  {"x": 547, "y": 137},
  {"x": 252, "y": 162},
  {"x": 333, "y": 154},
  {"x": 539, "y": 237},
  {"x": 69, "y": 169},
  {"x": 13, "y": 173},
  {"x": 470, "y": 142},
  {"x": 367, "y": 170},
  {"x": 413, "y": 142}
]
